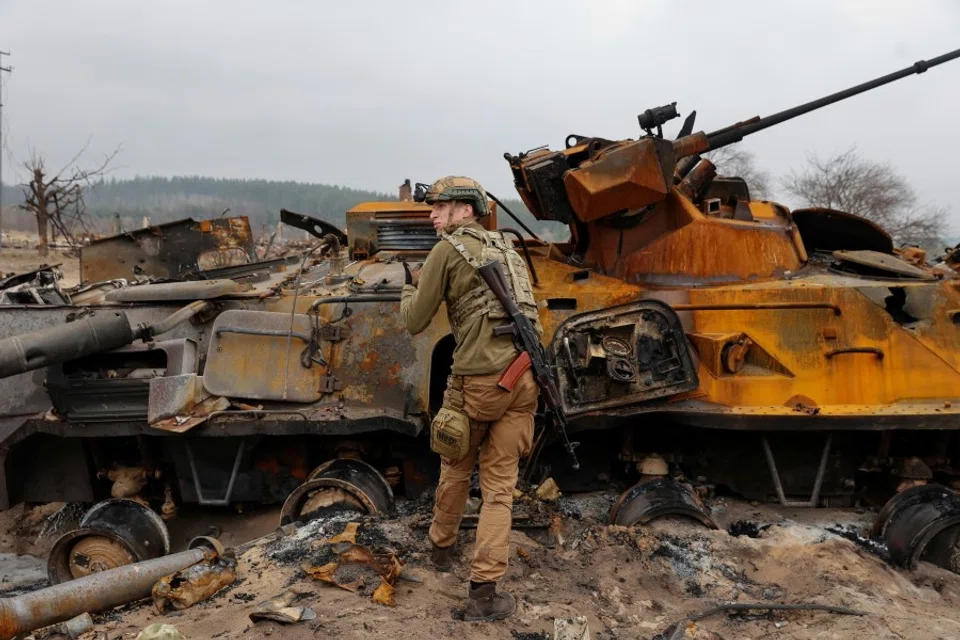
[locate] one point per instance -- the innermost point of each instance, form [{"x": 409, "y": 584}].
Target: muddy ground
[{"x": 628, "y": 582}]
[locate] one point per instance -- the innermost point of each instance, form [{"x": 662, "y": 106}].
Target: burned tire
[
  {"x": 647, "y": 501},
  {"x": 111, "y": 534},
  {"x": 342, "y": 484}
]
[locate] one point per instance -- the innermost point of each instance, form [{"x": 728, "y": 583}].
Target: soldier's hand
[{"x": 411, "y": 276}]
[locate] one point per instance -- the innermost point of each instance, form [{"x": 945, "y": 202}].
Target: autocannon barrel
[{"x": 700, "y": 142}]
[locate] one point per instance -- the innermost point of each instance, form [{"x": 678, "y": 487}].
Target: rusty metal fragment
[
  {"x": 160, "y": 631},
  {"x": 697, "y": 180},
  {"x": 174, "y": 395},
  {"x": 358, "y": 569},
  {"x": 314, "y": 226},
  {"x": 76, "y": 627},
  {"x": 169, "y": 250},
  {"x": 199, "y": 413},
  {"x": 348, "y": 535},
  {"x": 196, "y": 583},
  {"x": 39, "y": 286},
  {"x": 628, "y": 176},
  {"x": 281, "y": 609},
  {"x": 880, "y": 264},
  {"x": 912, "y": 255},
  {"x": 127, "y": 481},
  {"x": 168, "y": 291}
]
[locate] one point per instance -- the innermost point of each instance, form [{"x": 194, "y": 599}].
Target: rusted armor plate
[{"x": 882, "y": 262}]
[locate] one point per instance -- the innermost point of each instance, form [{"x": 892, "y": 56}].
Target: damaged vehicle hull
[{"x": 820, "y": 352}]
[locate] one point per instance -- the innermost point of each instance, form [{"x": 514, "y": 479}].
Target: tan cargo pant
[{"x": 501, "y": 430}]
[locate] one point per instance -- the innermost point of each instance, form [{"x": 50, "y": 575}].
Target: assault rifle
[{"x": 526, "y": 336}]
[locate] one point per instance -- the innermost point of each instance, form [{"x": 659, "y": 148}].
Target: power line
[{"x": 8, "y": 70}]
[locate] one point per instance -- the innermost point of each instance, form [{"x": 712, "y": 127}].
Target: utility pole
[{"x": 8, "y": 70}]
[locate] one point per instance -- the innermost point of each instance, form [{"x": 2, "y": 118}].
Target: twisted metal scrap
[{"x": 680, "y": 629}]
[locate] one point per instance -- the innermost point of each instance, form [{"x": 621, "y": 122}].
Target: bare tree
[
  {"x": 735, "y": 161},
  {"x": 872, "y": 190},
  {"x": 57, "y": 201}
]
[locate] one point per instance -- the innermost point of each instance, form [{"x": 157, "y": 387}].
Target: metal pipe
[
  {"x": 278, "y": 333},
  {"x": 96, "y": 592},
  {"x": 684, "y": 166},
  {"x": 750, "y": 306},
  {"x": 871, "y": 350},
  {"x": 570, "y": 361},
  {"x": 293, "y": 311},
  {"x": 354, "y": 298},
  {"x": 76, "y": 627},
  {"x": 93, "y": 334},
  {"x": 511, "y": 214},
  {"x": 178, "y": 317},
  {"x": 225, "y": 500},
  {"x": 818, "y": 482},
  {"x": 526, "y": 252},
  {"x": 697, "y": 179}
]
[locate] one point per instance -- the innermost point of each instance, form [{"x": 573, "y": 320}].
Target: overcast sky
[{"x": 365, "y": 94}]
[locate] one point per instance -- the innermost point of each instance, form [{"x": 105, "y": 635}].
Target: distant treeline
[{"x": 165, "y": 199}]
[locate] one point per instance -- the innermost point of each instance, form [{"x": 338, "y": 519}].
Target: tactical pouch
[{"x": 450, "y": 434}]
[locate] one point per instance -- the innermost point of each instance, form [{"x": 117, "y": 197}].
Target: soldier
[{"x": 496, "y": 423}]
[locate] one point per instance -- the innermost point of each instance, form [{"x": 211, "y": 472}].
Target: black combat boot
[
  {"x": 443, "y": 557},
  {"x": 486, "y": 605}
]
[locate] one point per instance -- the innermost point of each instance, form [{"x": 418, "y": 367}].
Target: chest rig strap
[{"x": 478, "y": 300}]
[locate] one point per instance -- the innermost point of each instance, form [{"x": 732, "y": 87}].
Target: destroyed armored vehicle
[{"x": 700, "y": 338}]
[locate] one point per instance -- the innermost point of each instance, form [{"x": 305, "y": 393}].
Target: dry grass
[{"x": 22, "y": 256}]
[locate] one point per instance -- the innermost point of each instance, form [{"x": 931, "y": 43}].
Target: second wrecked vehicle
[{"x": 696, "y": 334}]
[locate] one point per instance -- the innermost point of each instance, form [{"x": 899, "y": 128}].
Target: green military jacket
[{"x": 445, "y": 277}]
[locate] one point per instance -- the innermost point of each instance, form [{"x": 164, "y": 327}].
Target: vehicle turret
[{"x": 594, "y": 178}]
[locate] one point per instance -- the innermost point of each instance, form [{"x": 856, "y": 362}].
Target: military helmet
[{"x": 459, "y": 188}]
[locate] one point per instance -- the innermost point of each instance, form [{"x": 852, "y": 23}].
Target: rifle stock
[{"x": 528, "y": 340}]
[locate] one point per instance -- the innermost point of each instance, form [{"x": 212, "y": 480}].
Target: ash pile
[{"x": 734, "y": 569}]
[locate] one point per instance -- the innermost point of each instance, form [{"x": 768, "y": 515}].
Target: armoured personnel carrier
[{"x": 701, "y": 340}]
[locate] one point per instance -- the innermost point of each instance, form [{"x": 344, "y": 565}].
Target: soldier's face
[{"x": 447, "y": 216}]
